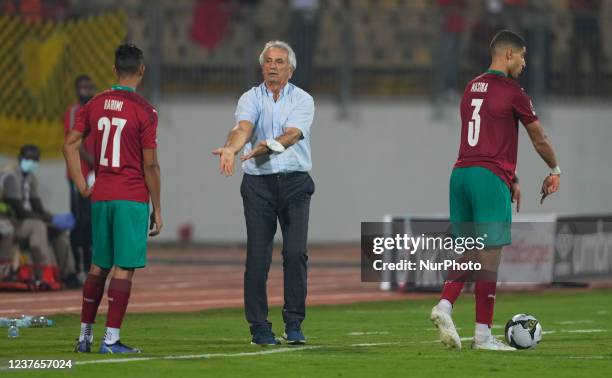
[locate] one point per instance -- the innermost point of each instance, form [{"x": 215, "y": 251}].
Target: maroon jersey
[
  {"x": 122, "y": 123},
  {"x": 491, "y": 107}
]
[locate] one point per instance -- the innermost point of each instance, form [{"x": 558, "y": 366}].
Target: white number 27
[
  {"x": 474, "y": 124},
  {"x": 104, "y": 124}
]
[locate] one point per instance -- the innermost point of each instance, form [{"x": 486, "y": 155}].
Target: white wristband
[
  {"x": 555, "y": 171},
  {"x": 91, "y": 179},
  {"x": 275, "y": 146}
]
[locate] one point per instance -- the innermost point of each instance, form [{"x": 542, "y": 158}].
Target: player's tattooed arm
[
  {"x": 541, "y": 143},
  {"x": 546, "y": 151},
  {"x": 236, "y": 139}
]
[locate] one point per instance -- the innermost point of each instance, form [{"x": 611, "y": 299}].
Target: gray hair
[{"x": 281, "y": 45}]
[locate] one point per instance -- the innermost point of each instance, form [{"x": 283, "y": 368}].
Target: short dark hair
[
  {"x": 29, "y": 151},
  {"x": 506, "y": 37},
  {"x": 128, "y": 59},
  {"x": 80, "y": 79}
]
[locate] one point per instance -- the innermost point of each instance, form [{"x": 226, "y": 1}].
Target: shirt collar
[
  {"x": 496, "y": 72},
  {"x": 122, "y": 88},
  {"x": 283, "y": 91}
]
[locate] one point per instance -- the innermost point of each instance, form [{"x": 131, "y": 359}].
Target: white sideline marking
[
  {"x": 195, "y": 356},
  {"x": 367, "y": 333},
  {"x": 373, "y": 344},
  {"x": 575, "y": 321},
  {"x": 602, "y": 312},
  {"x": 583, "y": 330},
  {"x": 544, "y": 333},
  {"x": 590, "y": 357},
  {"x": 462, "y": 339}
]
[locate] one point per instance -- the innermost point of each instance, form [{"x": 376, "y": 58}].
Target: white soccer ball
[{"x": 523, "y": 331}]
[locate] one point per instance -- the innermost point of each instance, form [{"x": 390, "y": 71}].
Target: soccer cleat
[
  {"x": 294, "y": 336},
  {"x": 491, "y": 343},
  {"x": 446, "y": 328},
  {"x": 117, "y": 348},
  {"x": 82, "y": 346}
]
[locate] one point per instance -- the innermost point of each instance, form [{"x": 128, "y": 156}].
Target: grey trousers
[{"x": 35, "y": 232}]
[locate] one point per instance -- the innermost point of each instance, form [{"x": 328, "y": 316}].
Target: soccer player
[
  {"x": 483, "y": 182},
  {"x": 127, "y": 173}
]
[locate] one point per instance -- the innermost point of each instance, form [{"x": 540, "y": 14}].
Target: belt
[{"x": 281, "y": 175}]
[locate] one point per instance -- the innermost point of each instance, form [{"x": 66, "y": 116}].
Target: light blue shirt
[{"x": 294, "y": 108}]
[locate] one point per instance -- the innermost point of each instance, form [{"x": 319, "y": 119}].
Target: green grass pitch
[{"x": 371, "y": 339}]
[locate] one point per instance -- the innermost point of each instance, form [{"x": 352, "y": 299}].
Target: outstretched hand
[
  {"x": 226, "y": 160},
  {"x": 261, "y": 149},
  {"x": 549, "y": 186}
]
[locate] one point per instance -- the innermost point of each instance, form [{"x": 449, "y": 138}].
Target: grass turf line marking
[
  {"x": 544, "y": 333},
  {"x": 575, "y": 321},
  {"x": 583, "y": 330},
  {"x": 196, "y": 356},
  {"x": 373, "y": 344},
  {"x": 435, "y": 329},
  {"x": 367, "y": 333}
]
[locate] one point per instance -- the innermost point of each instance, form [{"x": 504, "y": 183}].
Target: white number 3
[
  {"x": 105, "y": 124},
  {"x": 474, "y": 124}
]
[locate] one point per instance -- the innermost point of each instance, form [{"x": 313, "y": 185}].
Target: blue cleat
[
  {"x": 263, "y": 335},
  {"x": 294, "y": 336},
  {"x": 264, "y": 339},
  {"x": 82, "y": 346},
  {"x": 117, "y": 348}
]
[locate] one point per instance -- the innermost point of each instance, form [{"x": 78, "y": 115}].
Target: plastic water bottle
[
  {"x": 13, "y": 330},
  {"x": 40, "y": 322},
  {"x": 22, "y": 322},
  {"x": 26, "y": 321}
]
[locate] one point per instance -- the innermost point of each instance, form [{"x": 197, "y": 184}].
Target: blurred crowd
[{"x": 204, "y": 44}]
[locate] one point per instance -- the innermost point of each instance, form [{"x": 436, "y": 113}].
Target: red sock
[
  {"x": 118, "y": 296},
  {"x": 485, "y": 301},
  {"x": 451, "y": 290},
  {"x": 93, "y": 290},
  {"x": 454, "y": 283}
]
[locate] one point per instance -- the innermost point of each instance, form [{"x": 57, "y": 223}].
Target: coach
[{"x": 273, "y": 123}]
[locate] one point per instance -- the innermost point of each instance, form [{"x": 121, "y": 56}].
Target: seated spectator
[
  {"x": 35, "y": 226},
  {"x": 7, "y": 242}
]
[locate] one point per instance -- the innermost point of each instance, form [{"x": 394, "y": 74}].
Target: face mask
[{"x": 28, "y": 166}]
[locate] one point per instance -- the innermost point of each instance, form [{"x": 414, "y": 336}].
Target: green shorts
[
  {"x": 119, "y": 233},
  {"x": 480, "y": 206}
]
